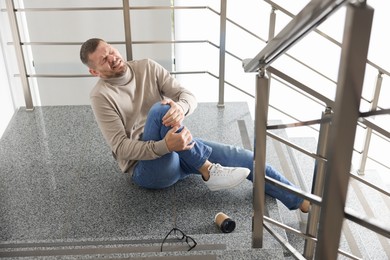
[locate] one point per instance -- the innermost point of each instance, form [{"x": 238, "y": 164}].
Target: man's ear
[{"x": 94, "y": 72}]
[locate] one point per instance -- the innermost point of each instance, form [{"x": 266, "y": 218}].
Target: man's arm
[
  {"x": 123, "y": 146},
  {"x": 171, "y": 88}
]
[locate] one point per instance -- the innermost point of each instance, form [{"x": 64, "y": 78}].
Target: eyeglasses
[{"x": 180, "y": 236}]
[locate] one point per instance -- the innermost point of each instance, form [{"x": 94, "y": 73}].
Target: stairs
[
  {"x": 62, "y": 195},
  {"x": 209, "y": 247},
  {"x": 355, "y": 240}
]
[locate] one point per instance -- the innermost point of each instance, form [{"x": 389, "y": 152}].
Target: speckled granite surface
[{"x": 59, "y": 182}]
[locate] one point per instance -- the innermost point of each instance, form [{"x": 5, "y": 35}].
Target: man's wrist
[{"x": 184, "y": 109}]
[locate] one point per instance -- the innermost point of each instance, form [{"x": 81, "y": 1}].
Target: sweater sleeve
[
  {"x": 123, "y": 147},
  {"x": 171, "y": 88}
]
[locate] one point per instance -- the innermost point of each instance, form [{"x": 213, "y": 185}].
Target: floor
[
  {"x": 62, "y": 195},
  {"x": 59, "y": 183}
]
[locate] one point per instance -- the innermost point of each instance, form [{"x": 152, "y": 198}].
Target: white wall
[
  {"x": 76, "y": 27},
  {"x": 11, "y": 94},
  {"x": 7, "y": 106}
]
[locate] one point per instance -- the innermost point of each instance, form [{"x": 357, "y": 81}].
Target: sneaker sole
[{"x": 231, "y": 186}]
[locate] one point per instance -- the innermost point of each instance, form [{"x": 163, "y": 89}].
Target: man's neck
[{"x": 121, "y": 80}]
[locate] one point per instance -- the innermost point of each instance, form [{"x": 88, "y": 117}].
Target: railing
[
  {"x": 373, "y": 101},
  {"x": 128, "y": 39},
  {"x": 336, "y": 142},
  {"x": 306, "y": 21}
]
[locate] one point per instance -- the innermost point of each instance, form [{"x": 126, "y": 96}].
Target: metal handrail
[
  {"x": 297, "y": 232},
  {"x": 375, "y": 127},
  {"x": 367, "y": 222},
  {"x": 314, "y": 199},
  {"x": 280, "y": 8},
  {"x": 120, "y": 42},
  {"x": 270, "y": 57},
  {"x": 309, "y": 17},
  {"x": 327, "y": 102},
  {"x": 369, "y": 184},
  {"x": 296, "y": 147},
  {"x": 382, "y": 70},
  {"x": 375, "y": 113},
  {"x": 294, "y": 31},
  {"x": 108, "y": 8}
]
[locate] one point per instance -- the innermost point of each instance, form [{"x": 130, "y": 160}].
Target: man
[{"x": 139, "y": 108}]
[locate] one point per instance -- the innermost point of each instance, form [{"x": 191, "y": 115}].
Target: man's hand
[
  {"x": 179, "y": 141},
  {"x": 174, "y": 116}
]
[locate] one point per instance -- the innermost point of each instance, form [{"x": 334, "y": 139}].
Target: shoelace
[{"x": 216, "y": 169}]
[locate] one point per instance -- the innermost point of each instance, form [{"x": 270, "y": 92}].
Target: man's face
[{"x": 106, "y": 62}]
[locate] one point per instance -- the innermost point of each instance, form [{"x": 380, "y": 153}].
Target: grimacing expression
[{"x": 106, "y": 62}]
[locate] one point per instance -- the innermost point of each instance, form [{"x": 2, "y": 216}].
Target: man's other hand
[
  {"x": 174, "y": 116},
  {"x": 179, "y": 141}
]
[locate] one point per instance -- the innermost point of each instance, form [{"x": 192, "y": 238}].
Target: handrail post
[
  {"x": 261, "y": 115},
  {"x": 222, "y": 50},
  {"x": 127, "y": 27},
  {"x": 318, "y": 182},
  {"x": 374, "y": 106},
  {"x": 272, "y": 23},
  {"x": 353, "y": 60},
  {"x": 19, "y": 55}
]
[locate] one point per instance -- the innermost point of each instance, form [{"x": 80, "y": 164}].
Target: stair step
[{"x": 229, "y": 246}]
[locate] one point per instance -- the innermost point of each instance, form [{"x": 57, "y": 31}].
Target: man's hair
[{"x": 87, "y": 48}]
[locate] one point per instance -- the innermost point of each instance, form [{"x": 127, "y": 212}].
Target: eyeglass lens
[{"x": 180, "y": 236}]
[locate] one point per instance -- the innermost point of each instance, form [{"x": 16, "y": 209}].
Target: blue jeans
[{"x": 172, "y": 167}]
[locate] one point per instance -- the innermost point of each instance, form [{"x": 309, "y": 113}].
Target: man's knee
[{"x": 158, "y": 109}]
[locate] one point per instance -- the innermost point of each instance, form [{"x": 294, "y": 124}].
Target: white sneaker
[{"x": 225, "y": 177}]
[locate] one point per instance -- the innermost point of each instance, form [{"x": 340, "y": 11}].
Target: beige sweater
[{"x": 121, "y": 105}]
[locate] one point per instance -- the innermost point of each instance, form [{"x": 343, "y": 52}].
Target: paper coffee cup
[{"x": 224, "y": 222}]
